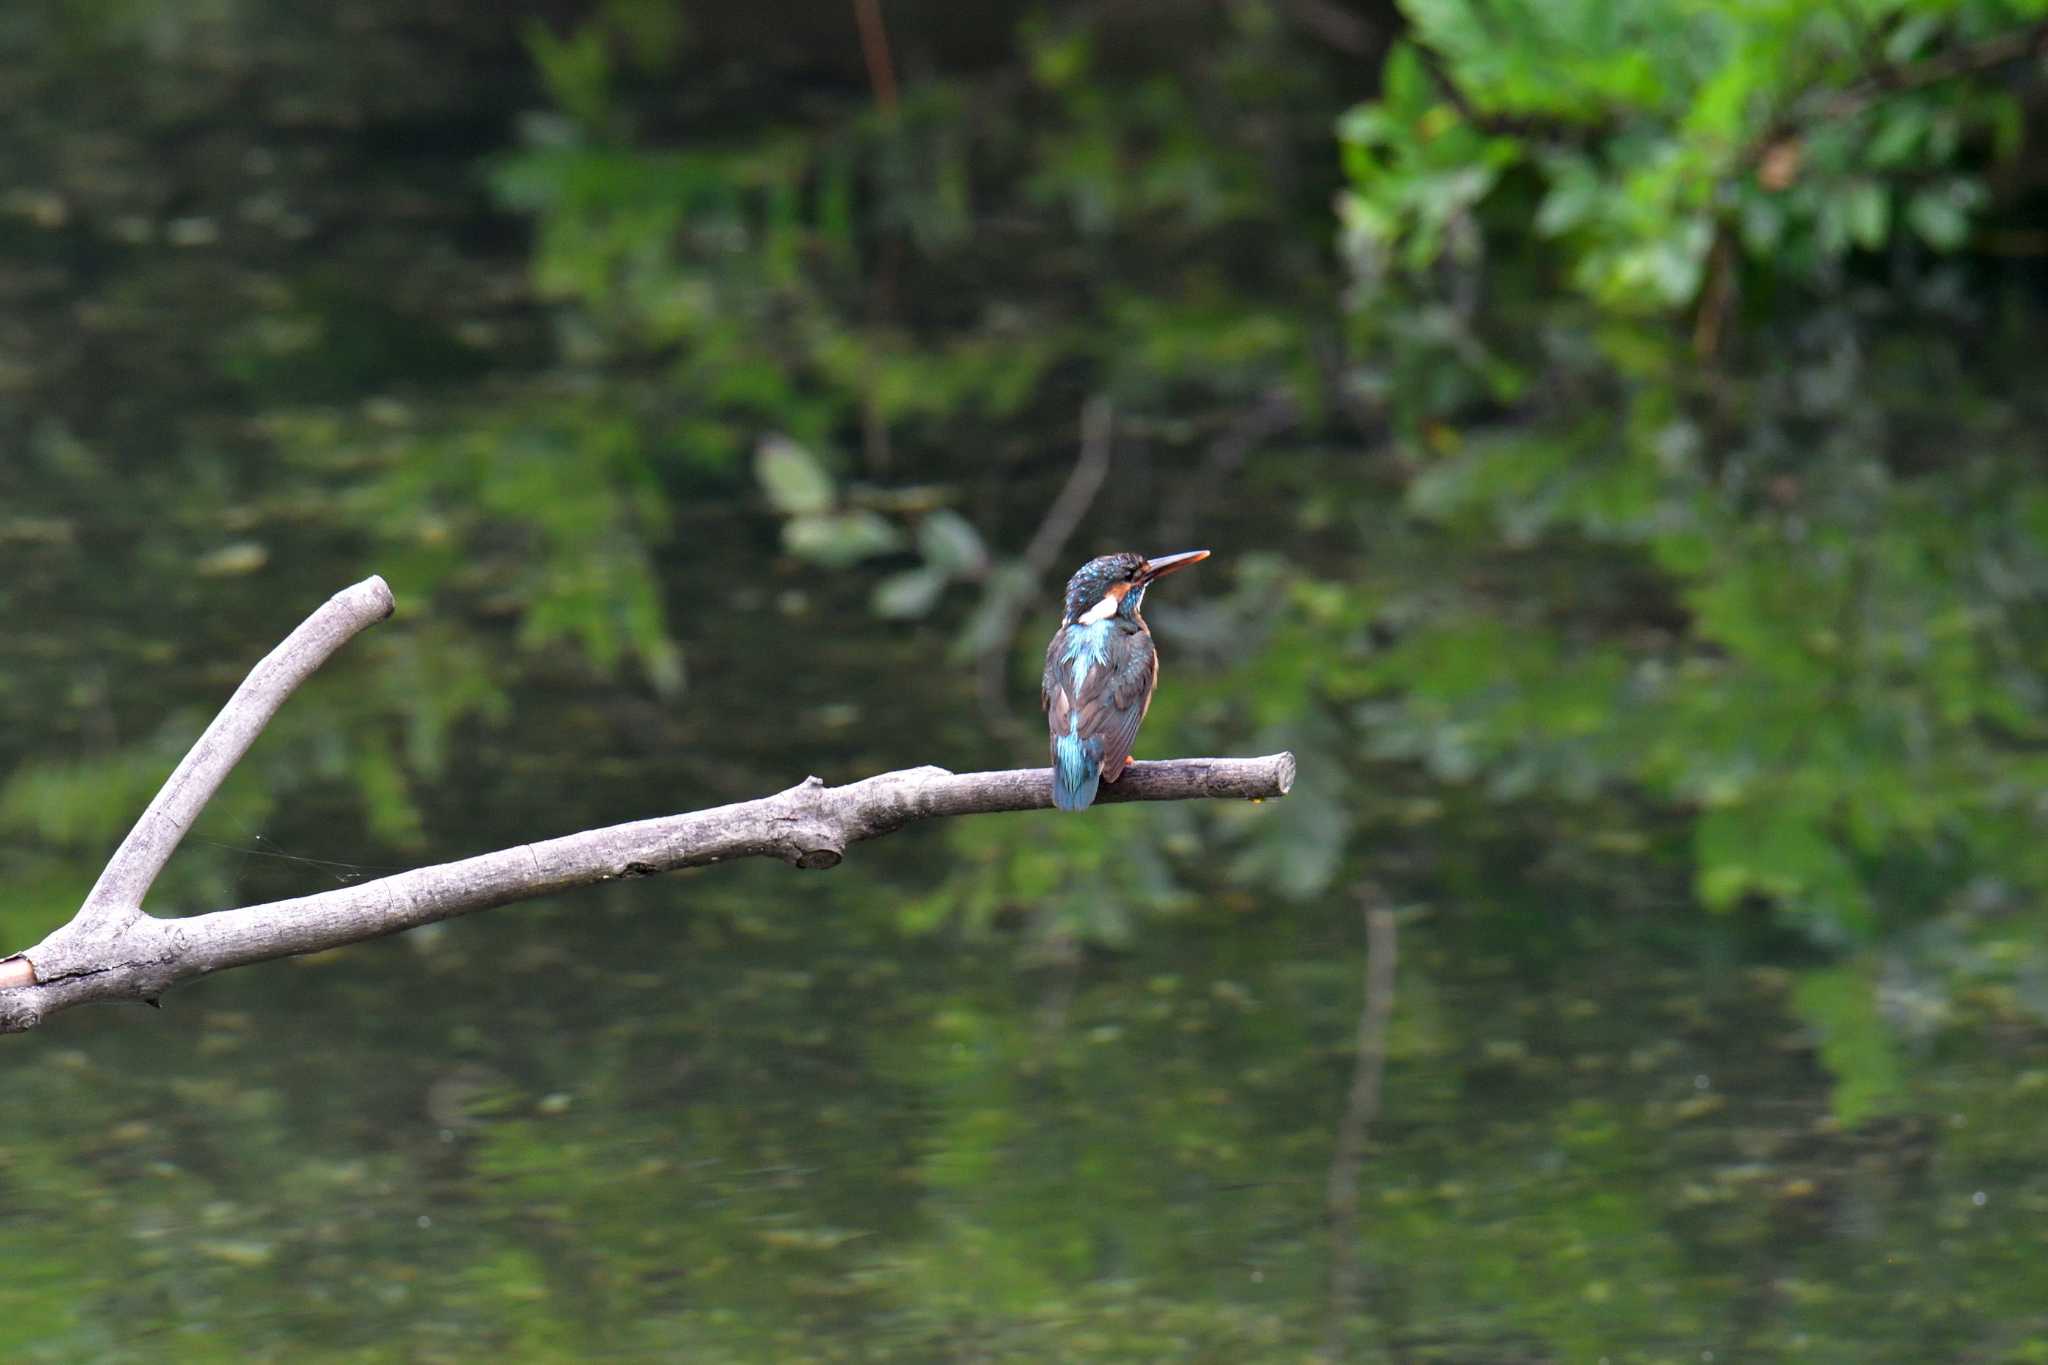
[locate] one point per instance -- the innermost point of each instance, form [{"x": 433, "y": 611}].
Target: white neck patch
[{"x": 1101, "y": 611}]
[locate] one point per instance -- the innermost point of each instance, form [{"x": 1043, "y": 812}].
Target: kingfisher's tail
[{"x": 1076, "y": 770}]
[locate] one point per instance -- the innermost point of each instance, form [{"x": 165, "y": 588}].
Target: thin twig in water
[
  {"x": 1360, "y": 1113},
  {"x": 1274, "y": 414},
  {"x": 1063, "y": 961},
  {"x": 1069, "y": 506},
  {"x": 1077, "y": 494},
  {"x": 876, "y": 446},
  {"x": 1335, "y": 25},
  {"x": 874, "y": 50}
]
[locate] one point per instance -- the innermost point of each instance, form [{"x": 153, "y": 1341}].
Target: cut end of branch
[
  {"x": 16, "y": 971},
  {"x": 378, "y": 593},
  {"x": 1183, "y": 779}
]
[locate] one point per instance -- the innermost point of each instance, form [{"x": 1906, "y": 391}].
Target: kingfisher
[{"x": 1100, "y": 671}]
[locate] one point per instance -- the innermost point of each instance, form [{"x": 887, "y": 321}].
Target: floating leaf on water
[
  {"x": 808, "y": 1239},
  {"x": 194, "y": 231},
  {"x": 38, "y": 531},
  {"x": 233, "y": 560},
  {"x": 1699, "y": 1106},
  {"x": 245, "y": 1252}
]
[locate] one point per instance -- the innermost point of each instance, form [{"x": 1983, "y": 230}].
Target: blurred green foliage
[
  {"x": 1640, "y": 140},
  {"x": 836, "y": 530},
  {"x": 1653, "y": 525},
  {"x": 1831, "y": 656},
  {"x": 1801, "y": 619},
  {"x": 913, "y": 275}
]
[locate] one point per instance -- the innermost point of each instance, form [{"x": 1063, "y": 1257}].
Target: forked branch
[{"x": 111, "y": 950}]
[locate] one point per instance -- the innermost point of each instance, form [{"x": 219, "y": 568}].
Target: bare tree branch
[
  {"x": 1275, "y": 413},
  {"x": 874, "y": 50},
  {"x": 123, "y": 954},
  {"x": 1071, "y": 503},
  {"x": 117, "y": 897}
]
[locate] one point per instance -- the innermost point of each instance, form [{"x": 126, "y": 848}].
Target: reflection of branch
[
  {"x": 1274, "y": 414},
  {"x": 1063, "y": 957},
  {"x": 1717, "y": 295},
  {"x": 881, "y": 294},
  {"x": 1335, "y": 25},
  {"x": 113, "y": 951},
  {"x": 1076, "y": 496},
  {"x": 874, "y": 50},
  {"x": 1360, "y": 1114},
  {"x": 1091, "y": 467}
]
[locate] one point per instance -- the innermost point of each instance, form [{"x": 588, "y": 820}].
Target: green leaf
[
  {"x": 1909, "y": 40},
  {"x": 1900, "y": 131},
  {"x": 796, "y": 484},
  {"x": 841, "y": 539},
  {"x": 1939, "y": 217},
  {"x": 1762, "y": 223},
  {"x": 912, "y": 593},
  {"x": 1867, "y": 207},
  {"x": 1855, "y": 1043},
  {"x": 994, "y": 618},
  {"x": 1404, "y": 82},
  {"x": 1574, "y": 198},
  {"x": 951, "y": 545},
  {"x": 1770, "y": 849},
  {"x": 576, "y": 70}
]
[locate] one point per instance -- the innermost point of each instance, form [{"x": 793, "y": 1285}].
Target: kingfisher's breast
[{"x": 1087, "y": 649}]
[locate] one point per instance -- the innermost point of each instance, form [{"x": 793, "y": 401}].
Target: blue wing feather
[{"x": 1096, "y": 689}]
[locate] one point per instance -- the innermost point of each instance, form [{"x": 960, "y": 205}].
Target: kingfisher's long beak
[{"x": 1166, "y": 564}]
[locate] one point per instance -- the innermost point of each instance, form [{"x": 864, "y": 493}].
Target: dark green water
[
  {"x": 1030, "y": 1088},
  {"x": 743, "y": 1114}
]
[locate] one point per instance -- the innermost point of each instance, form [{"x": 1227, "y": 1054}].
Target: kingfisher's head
[{"x": 1114, "y": 585}]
